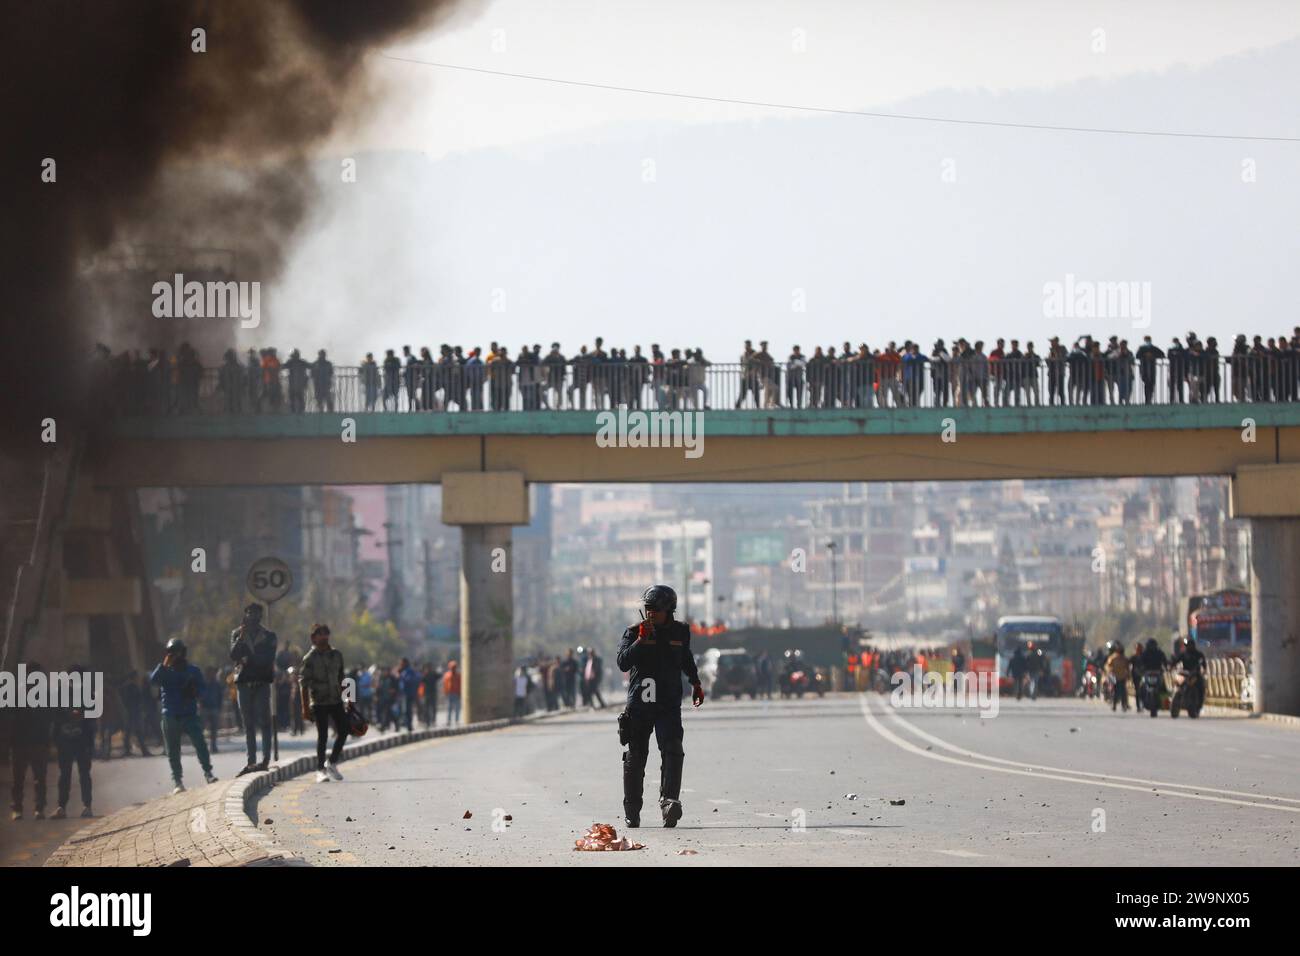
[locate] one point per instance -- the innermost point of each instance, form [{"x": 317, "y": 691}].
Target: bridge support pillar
[
  {"x": 1269, "y": 495},
  {"x": 1275, "y": 614},
  {"x": 485, "y": 505}
]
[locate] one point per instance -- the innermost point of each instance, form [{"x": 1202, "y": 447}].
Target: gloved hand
[
  {"x": 645, "y": 629},
  {"x": 697, "y": 695}
]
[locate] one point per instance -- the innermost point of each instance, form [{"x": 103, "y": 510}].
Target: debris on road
[
  {"x": 850, "y": 796},
  {"x": 897, "y": 803},
  {"x": 467, "y": 815},
  {"x": 508, "y": 818},
  {"x": 601, "y": 836},
  {"x": 686, "y": 852}
]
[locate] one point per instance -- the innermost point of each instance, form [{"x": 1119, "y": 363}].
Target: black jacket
[
  {"x": 257, "y": 664},
  {"x": 664, "y": 656}
]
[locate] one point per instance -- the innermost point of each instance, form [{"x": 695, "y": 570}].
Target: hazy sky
[
  {"x": 842, "y": 55},
  {"x": 490, "y": 207}
]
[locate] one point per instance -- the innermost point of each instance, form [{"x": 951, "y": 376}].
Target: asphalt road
[{"x": 1056, "y": 782}]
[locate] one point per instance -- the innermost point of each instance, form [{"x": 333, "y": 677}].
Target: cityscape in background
[{"x": 932, "y": 561}]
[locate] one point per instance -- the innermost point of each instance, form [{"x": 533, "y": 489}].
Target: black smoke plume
[{"x": 162, "y": 154}]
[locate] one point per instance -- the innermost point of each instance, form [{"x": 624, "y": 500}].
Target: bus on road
[{"x": 1043, "y": 632}]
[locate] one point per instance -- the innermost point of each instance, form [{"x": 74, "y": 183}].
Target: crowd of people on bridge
[{"x": 1087, "y": 372}]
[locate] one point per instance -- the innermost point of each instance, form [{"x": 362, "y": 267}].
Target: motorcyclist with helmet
[
  {"x": 655, "y": 654},
  {"x": 1192, "y": 662},
  {"x": 1190, "y": 656},
  {"x": 1149, "y": 658}
]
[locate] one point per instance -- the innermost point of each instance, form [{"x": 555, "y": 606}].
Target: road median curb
[{"x": 214, "y": 825}]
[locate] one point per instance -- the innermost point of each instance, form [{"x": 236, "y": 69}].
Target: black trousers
[
  {"x": 78, "y": 752},
  {"x": 37, "y": 758},
  {"x": 664, "y": 722},
  {"x": 323, "y": 714}
]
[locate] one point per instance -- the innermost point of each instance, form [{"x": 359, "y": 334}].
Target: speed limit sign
[{"x": 269, "y": 579}]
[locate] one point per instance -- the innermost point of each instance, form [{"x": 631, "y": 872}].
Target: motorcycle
[
  {"x": 1149, "y": 690},
  {"x": 1107, "y": 688},
  {"x": 1088, "y": 686},
  {"x": 794, "y": 684},
  {"x": 1189, "y": 692}
]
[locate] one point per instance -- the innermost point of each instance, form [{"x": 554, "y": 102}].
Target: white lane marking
[
  {"x": 718, "y": 801},
  {"x": 1078, "y": 773},
  {"x": 771, "y": 816},
  {"x": 961, "y": 853},
  {"x": 1231, "y": 750},
  {"x": 907, "y": 745}
]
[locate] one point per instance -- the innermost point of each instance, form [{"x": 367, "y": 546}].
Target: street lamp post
[{"x": 835, "y": 610}]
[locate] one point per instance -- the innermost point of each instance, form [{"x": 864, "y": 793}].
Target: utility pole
[
  {"x": 835, "y": 608},
  {"x": 428, "y": 584},
  {"x": 392, "y": 588},
  {"x": 686, "y": 574}
]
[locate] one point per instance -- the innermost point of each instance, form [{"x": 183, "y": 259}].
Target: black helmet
[
  {"x": 660, "y": 597},
  {"x": 176, "y": 646},
  {"x": 1151, "y": 644}
]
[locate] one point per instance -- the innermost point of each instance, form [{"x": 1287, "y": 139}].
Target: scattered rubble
[{"x": 601, "y": 836}]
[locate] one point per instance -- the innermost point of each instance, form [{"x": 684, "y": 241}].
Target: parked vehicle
[{"x": 735, "y": 673}]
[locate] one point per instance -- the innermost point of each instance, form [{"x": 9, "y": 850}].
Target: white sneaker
[
  {"x": 322, "y": 777},
  {"x": 333, "y": 771},
  {"x": 180, "y": 788}
]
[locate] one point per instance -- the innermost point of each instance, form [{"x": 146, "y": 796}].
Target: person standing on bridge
[{"x": 655, "y": 654}]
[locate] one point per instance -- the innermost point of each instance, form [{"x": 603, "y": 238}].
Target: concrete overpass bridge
[{"x": 484, "y": 462}]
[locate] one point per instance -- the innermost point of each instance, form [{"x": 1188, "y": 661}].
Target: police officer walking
[{"x": 655, "y": 654}]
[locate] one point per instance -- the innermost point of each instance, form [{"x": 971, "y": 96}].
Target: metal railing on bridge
[{"x": 869, "y": 384}]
